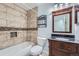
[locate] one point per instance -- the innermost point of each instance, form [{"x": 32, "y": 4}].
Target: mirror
[{"x": 62, "y": 23}]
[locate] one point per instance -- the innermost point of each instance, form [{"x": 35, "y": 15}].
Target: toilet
[{"x": 37, "y": 49}]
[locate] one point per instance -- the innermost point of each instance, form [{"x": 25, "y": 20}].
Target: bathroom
[{"x": 30, "y": 28}]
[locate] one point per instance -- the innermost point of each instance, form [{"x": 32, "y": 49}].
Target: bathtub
[{"x": 22, "y": 49}]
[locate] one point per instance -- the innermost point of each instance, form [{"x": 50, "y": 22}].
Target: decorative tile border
[{"x": 12, "y": 28}]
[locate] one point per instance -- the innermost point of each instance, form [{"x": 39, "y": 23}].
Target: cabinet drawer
[
  {"x": 50, "y": 51},
  {"x": 78, "y": 49},
  {"x": 70, "y": 47},
  {"x": 56, "y": 52},
  {"x": 56, "y": 44}
]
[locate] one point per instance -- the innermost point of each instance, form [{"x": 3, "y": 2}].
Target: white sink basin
[{"x": 62, "y": 39}]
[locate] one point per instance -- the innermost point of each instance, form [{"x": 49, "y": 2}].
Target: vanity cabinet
[{"x": 61, "y": 48}]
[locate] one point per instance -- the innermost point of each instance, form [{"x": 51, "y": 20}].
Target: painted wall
[
  {"x": 44, "y": 10},
  {"x": 47, "y": 9}
]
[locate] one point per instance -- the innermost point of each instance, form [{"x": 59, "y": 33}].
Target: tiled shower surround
[{"x": 11, "y": 15}]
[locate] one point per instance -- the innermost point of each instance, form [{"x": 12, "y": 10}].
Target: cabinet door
[
  {"x": 50, "y": 48},
  {"x": 70, "y": 47},
  {"x": 56, "y": 52},
  {"x": 57, "y": 44},
  {"x": 78, "y": 50}
]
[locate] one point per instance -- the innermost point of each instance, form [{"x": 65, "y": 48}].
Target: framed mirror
[{"x": 62, "y": 22}]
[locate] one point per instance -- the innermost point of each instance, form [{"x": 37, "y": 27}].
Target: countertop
[{"x": 71, "y": 40}]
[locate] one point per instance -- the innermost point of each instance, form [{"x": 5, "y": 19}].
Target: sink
[{"x": 65, "y": 39}]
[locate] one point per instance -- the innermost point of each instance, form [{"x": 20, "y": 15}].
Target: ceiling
[{"x": 28, "y": 6}]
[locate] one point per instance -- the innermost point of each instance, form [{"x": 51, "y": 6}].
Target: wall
[
  {"x": 32, "y": 23},
  {"x": 13, "y": 16},
  {"x": 47, "y": 9}
]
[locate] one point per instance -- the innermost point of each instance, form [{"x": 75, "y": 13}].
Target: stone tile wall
[{"x": 12, "y": 15}]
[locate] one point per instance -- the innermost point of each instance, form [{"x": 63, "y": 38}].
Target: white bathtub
[{"x": 17, "y": 50}]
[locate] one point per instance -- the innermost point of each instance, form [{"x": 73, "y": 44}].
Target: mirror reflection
[{"x": 61, "y": 23}]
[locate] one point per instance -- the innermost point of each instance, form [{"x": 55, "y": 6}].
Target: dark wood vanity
[{"x": 62, "y": 48}]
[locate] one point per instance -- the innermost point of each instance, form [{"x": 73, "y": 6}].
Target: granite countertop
[{"x": 71, "y": 40}]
